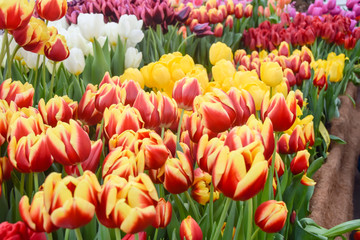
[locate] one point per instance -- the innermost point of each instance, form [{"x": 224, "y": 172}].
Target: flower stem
[
  {"x": 211, "y": 205},
  {"x": 22, "y": 183},
  {"x": 67, "y": 232},
  {"x": 81, "y": 171},
  {"x": 43, "y": 79},
  {"x": 162, "y": 133},
  {"x": 278, "y": 186},
  {"x": 136, "y": 236},
  {"x": 156, "y": 233},
  {"x": 36, "y": 181},
  {"x": 249, "y": 220},
  {"x": 222, "y": 218},
  {"x": 52, "y": 81},
  {"x": 179, "y": 205},
  {"x": 271, "y": 174},
  {"x": 3, "y": 45},
  {"x": 78, "y": 234},
  {"x": 193, "y": 207},
  {"x": 49, "y": 236},
  {"x": 117, "y": 234},
  {"x": 255, "y": 233},
  {"x": 184, "y": 41},
  {"x": 178, "y": 134}
]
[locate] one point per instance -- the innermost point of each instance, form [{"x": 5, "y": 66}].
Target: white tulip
[
  {"x": 75, "y": 39},
  {"x": 30, "y": 58},
  {"x": 50, "y": 65},
  {"x": 91, "y": 25},
  {"x": 61, "y": 23},
  {"x": 132, "y": 58},
  {"x": 112, "y": 31},
  {"x": 75, "y": 63},
  {"x": 130, "y": 30}
]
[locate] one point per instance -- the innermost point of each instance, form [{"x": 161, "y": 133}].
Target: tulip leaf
[
  {"x": 89, "y": 231},
  {"x": 342, "y": 228},
  {"x": 278, "y": 236},
  {"x": 325, "y": 134},
  {"x": 77, "y": 94},
  {"x": 71, "y": 91},
  {"x": 173, "y": 225},
  {"x": 106, "y": 51},
  {"x": 4, "y": 207},
  {"x": 308, "y": 229},
  {"x": 314, "y": 166},
  {"x": 228, "y": 232},
  {"x": 99, "y": 66},
  {"x": 337, "y": 139},
  {"x": 103, "y": 233},
  {"x": 14, "y": 214},
  {"x": 118, "y": 60},
  {"x": 86, "y": 74}
]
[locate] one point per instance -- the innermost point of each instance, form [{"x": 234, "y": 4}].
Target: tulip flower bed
[{"x": 150, "y": 120}]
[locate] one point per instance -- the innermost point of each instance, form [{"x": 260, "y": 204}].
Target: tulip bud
[
  {"x": 132, "y": 88},
  {"x": 306, "y": 54},
  {"x": 305, "y": 70},
  {"x": 300, "y": 163},
  {"x": 56, "y": 48},
  {"x": 15, "y": 91},
  {"x": 219, "y": 51},
  {"x": 279, "y": 165},
  {"x": 163, "y": 214},
  {"x": 239, "y": 11},
  {"x": 295, "y": 62},
  {"x": 284, "y": 49},
  {"x": 299, "y": 98},
  {"x": 147, "y": 105},
  {"x": 190, "y": 229},
  {"x": 126, "y": 140},
  {"x": 229, "y": 22},
  {"x": 223, "y": 10},
  {"x": 290, "y": 76},
  {"x": 271, "y": 73},
  {"x": 244, "y": 105},
  {"x": 20, "y": 12},
  {"x": 75, "y": 63},
  {"x": 201, "y": 187},
  {"x": 239, "y": 54},
  {"x": 184, "y": 92},
  {"x": 109, "y": 94},
  {"x": 271, "y": 216},
  {"x": 86, "y": 109},
  {"x": 51, "y": 10},
  {"x": 248, "y": 10},
  {"x": 218, "y": 30},
  {"x": 320, "y": 79},
  {"x": 230, "y": 7}
]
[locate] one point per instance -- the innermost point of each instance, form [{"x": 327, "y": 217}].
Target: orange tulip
[
  {"x": 132, "y": 89},
  {"x": 21, "y": 94},
  {"x": 35, "y": 215},
  {"x": 30, "y": 153},
  {"x": 190, "y": 229},
  {"x": 271, "y": 216},
  {"x": 284, "y": 49},
  {"x": 4, "y": 108},
  {"x": 305, "y": 70},
  {"x": 6, "y": 168},
  {"x": 243, "y": 103},
  {"x": 208, "y": 152},
  {"x": 248, "y": 10},
  {"x": 15, "y": 13},
  {"x": 128, "y": 205},
  {"x": 163, "y": 214},
  {"x": 218, "y": 30},
  {"x": 109, "y": 94},
  {"x": 147, "y": 105},
  {"x": 305, "y": 180},
  {"x": 201, "y": 187},
  {"x": 300, "y": 163},
  {"x": 86, "y": 109},
  {"x": 168, "y": 110},
  {"x": 185, "y": 91},
  {"x": 51, "y": 10},
  {"x": 68, "y": 143},
  {"x": 279, "y": 165},
  {"x": 196, "y": 128},
  {"x": 70, "y": 201}
]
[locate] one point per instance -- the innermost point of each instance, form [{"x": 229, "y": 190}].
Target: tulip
[
  {"x": 185, "y": 91},
  {"x": 300, "y": 163},
  {"x": 68, "y": 143},
  {"x": 56, "y": 49},
  {"x": 297, "y": 141},
  {"x": 290, "y": 76},
  {"x": 279, "y": 165},
  {"x": 57, "y": 109},
  {"x": 223, "y": 72},
  {"x": 15, "y": 14},
  {"x": 242, "y": 173},
  {"x": 86, "y": 109},
  {"x": 6, "y": 168},
  {"x": 306, "y": 181},
  {"x": 190, "y": 229},
  {"x": 128, "y": 205},
  {"x": 163, "y": 214},
  {"x": 295, "y": 62},
  {"x": 71, "y": 202},
  {"x": 271, "y": 73},
  {"x": 199, "y": 72},
  {"x": 229, "y": 22},
  {"x": 30, "y": 153},
  {"x": 271, "y": 216},
  {"x": 248, "y": 11},
  {"x": 196, "y": 128},
  {"x": 284, "y": 49},
  {"x": 219, "y": 51},
  {"x": 21, "y": 94},
  {"x": 130, "y": 30},
  {"x": 208, "y": 152},
  {"x": 91, "y": 25},
  {"x": 118, "y": 118},
  {"x": 132, "y": 58},
  {"x": 179, "y": 174},
  {"x": 239, "y": 10},
  {"x": 33, "y": 36},
  {"x": 216, "y": 103},
  {"x": 152, "y": 74},
  {"x": 201, "y": 187},
  {"x": 305, "y": 70},
  {"x": 281, "y": 112},
  {"x": 320, "y": 78},
  {"x": 91, "y": 163},
  {"x": 35, "y": 215},
  {"x": 133, "y": 77},
  {"x": 109, "y": 94},
  {"x": 75, "y": 63},
  {"x": 168, "y": 110},
  {"x": 141, "y": 236},
  {"x": 147, "y": 105},
  {"x": 243, "y": 103},
  {"x": 51, "y": 10},
  {"x": 126, "y": 140},
  {"x": 19, "y": 230},
  {"x": 202, "y": 30},
  {"x": 218, "y": 30}
]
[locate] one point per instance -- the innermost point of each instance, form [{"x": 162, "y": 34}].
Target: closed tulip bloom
[
  {"x": 75, "y": 63},
  {"x": 126, "y": 140},
  {"x": 119, "y": 118},
  {"x": 279, "y": 165},
  {"x": 56, "y": 48},
  {"x": 243, "y": 103},
  {"x": 281, "y": 112},
  {"x": 219, "y": 51},
  {"x": 185, "y": 91},
  {"x": 218, "y": 30},
  {"x": 241, "y": 174},
  {"x": 196, "y": 128},
  {"x": 132, "y": 89},
  {"x": 179, "y": 174},
  {"x": 30, "y": 153},
  {"x": 168, "y": 110},
  {"x": 190, "y": 229},
  {"x": 109, "y": 94},
  {"x": 19, "y": 230},
  {"x": 21, "y": 94},
  {"x": 290, "y": 76},
  {"x": 284, "y": 49},
  {"x": 6, "y": 168},
  {"x": 70, "y": 201},
  {"x": 35, "y": 215},
  {"x": 141, "y": 236},
  {"x": 271, "y": 73},
  {"x": 123, "y": 163},
  {"x": 229, "y": 22},
  {"x": 305, "y": 70},
  {"x": 309, "y": 133},
  {"x": 128, "y": 205},
  {"x": 147, "y": 105},
  {"x": 320, "y": 78},
  {"x": 57, "y": 109},
  {"x": 248, "y": 10},
  {"x": 4, "y": 108},
  {"x": 271, "y": 216},
  {"x": 239, "y": 10},
  {"x": 68, "y": 143},
  {"x": 51, "y": 10},
  {"x": 33, "y": 36},
  {"x": 300, "y": 163},
  {"x": 295, "y": 62},
  {"x": 91, "y": 163},
  {"x": 163, "y": 214},
  {"x": 201, "y": 187},
  {"x": 297, "y": 141},
  {"x": 86, "y": 109},
  {"x": 223, "y": 73},
  {"x": 208, "y": 152},
  {"x": 15, "y": 13},
  {"x": 91, "y": 25}
]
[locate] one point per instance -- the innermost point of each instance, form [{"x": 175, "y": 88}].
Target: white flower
[
  {"x": 75, "y": 39},
  {"x": 61, "y": 23},
  {"x": 112, "y": 31},
  {"x": 50, "y": 65},
  {"x": 75, "y": 63},
  {"x": 30, "y": 58},
  {"x": 91, "y": 25},
  {"x": 130, "y": 30},
  {"x": 132, "y": 58}
]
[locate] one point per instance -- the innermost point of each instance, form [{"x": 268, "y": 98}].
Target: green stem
[
  {"x": 52, "y": 81},
  {"x": 156, "y": 233},
  {"x": 211, "y": 205},
  {"x": 81, "y": 171},
  {"x": 136, "y": 236},
  {"x": 10, "y": 60},
  {"x": 184, "y": 41},
  {"x": 78, "y": 234},
  {"x": 43, "y": 79},
  {"x": 271, "y": 174},
  {"x": 278, "y": 186},
  {"x": 241, "y": 215},
  {"x": 193, "y": 207},
  {"x": 81, "y": 85},
  {"x": 222, "y": 218},
  {"x": 3, "y": 45},
  {"x": 22, "y": 183},
  {"x": 30, "y": 184},
  {"x": 117, "y": 234},
  {"x": 8, "y": 56},
  {"x": 3, "y": 190},
  {"x": 162, "y": 133},
  {"x": 36, "y": 181},
  {"x": 271, "y": 92},
  {"x": 49, "y": 236},
  {"x": 255, "y": 233},
  {"x": 249, "y": 220},
  {"x": 180, "y": 206},
  {"x": 36, "y": 72},
  {"x": 67, "y": 232},
  {"x": 179, "y": 130},
  {"x": 161, "y": 191}
]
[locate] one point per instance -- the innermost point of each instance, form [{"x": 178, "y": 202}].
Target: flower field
[{"x": 170, "y": 119}]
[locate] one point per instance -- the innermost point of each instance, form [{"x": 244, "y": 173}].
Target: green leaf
[
  {"x": 89, "y": 230},
  {"x": 308, "y": 232},
  {"x": 100, "y": 65},
  {"x": 342, "y": 228},
  {"x": 314, "y": 166},
  {"x": 86, "y": 74},
  {"x": 77, "y": 92},
  {"x": 337, "y": 139},
  {"x": 230, "y": 222},
  {"x": 103, "y": 233},
  {"x": 118, "y": 60}
]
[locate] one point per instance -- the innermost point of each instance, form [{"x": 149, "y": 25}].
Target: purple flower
[
  {"x": 202, "y": 30},
  {"x": 335, "y": 11},
  {"x": 331, "y": 4},
  {"x": 350, "y": 3},
  {"x": 356, "y": 10},
  {"x": 319, "y": 3},
  {"x": 317, "y": 11}
]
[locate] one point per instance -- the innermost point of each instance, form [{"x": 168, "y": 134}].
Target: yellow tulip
[
  {"x": 200, "y": 73},
  {"x": 133, "y": 74},
  {"x": 223, "y": 73},
  {"x": 219, "y": 51},
  {"x": 271, "y": 73}
]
